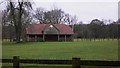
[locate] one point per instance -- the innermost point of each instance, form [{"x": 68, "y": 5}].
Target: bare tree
[
  {"x": 4, "y": 23},
  {"x": 53, "y": 16},
  {"x": 17, "y": 10},
  {"x": 39, "y": 15}
]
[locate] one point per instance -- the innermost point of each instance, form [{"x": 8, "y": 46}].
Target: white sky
[{"x": 85, "y": 10}]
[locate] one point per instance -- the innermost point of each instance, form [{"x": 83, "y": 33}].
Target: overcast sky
[{"x": 85, "y": 10}]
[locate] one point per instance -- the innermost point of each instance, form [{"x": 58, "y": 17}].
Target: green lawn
[
  {"x": 100, "y": 50},
  {"x": 85, "y": 49}
]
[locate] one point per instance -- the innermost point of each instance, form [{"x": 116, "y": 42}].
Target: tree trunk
[
  {"x": 15, "y": 23},
  {"x": 19, "y": 25},
  {"x": 10, "y": 29},
  {"x": 17, "y": 35}
]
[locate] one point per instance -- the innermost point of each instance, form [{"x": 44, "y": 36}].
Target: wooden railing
[{"x": 75, "y": 62}]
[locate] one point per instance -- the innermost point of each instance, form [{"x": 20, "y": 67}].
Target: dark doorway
[{"x": 51, "y": 37}]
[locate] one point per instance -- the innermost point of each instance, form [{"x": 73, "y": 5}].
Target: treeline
[{"x": 97, "y": 30}]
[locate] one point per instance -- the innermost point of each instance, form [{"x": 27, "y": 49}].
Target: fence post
[
  {"x": 76, "y": 63},
  {"x": 16, "y": 62}
]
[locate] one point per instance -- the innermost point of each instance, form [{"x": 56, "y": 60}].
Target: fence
[{"x": 75, "y": 62}]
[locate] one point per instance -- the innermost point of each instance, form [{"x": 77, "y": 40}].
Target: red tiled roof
[{"x": 38, "y": 28}]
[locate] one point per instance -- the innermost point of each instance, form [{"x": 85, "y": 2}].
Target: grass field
[
  {"x": 101, "y": 50},
  {"x": 92, "y": 50}
]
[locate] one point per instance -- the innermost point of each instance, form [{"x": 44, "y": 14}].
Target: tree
[
  {"x": 39, "y": 15},
  {"x": 95, "y": 28},
  {"x": 16, "y": 11},
  {"x": 113, "y": 30},
  {"x": 4, "y": 24},
  {"x": 118, "y": 22},
  {"x": 53, "y": 16}
]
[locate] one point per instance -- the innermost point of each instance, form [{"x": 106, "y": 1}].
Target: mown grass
[
  {"x": 85, "y": 49},
  {"x": 101, "y": 50}
]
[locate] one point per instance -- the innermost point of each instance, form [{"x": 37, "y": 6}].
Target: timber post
[
  {"x": 16, "y": 63},
  {"x": 76, "y": 63}
]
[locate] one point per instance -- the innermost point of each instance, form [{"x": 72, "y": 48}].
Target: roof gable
[{"x": 51, "y": 30}]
